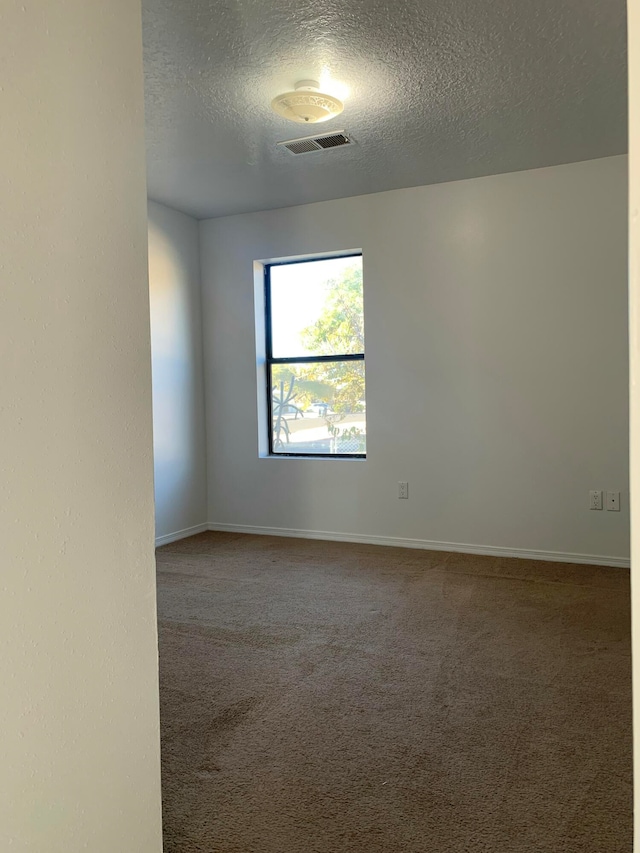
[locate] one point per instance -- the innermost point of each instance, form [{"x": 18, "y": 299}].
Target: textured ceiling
[{"x": 439, "y": 90}]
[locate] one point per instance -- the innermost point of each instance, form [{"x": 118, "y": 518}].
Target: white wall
[
  {"x": 495, "y": 323},
  {"x": 633, "y": 22},
  {"x": 79, "y": 745},
  {"x": 176, "y": 351}
]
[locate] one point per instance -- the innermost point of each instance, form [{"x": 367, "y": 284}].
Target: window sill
[{"x": 315, "y": 458}]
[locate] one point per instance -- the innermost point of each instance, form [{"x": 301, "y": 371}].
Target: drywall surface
[
  {"x": 176, "y": 353},
  {"x": 634, "y": 386},
  {"x": 79, "y": 735},
  {"x": 496, "y": 347}
]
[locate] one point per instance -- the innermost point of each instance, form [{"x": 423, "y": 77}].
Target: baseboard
[
  {"x": 180, "y": 534},
  {"x": 427, "y": 545}
]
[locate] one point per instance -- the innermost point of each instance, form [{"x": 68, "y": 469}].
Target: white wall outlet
[
  {"x": 403, "y": 490},
  {"x": 613, "y": 501},
  {"x": 595, "y": 499}
]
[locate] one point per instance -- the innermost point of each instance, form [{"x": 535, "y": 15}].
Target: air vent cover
[{"x": 317, "y": 143}]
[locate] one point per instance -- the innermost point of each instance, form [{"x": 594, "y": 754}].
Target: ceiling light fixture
[{"x": 307, "y": 105}]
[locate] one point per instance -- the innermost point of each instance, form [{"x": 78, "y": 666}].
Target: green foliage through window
[{"x": 318, "y": 401}]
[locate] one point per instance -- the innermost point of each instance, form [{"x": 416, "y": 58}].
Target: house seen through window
[{"x": 315, "y": 357}]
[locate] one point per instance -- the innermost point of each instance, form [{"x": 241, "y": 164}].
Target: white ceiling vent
[{"x": 317, "y": 143}]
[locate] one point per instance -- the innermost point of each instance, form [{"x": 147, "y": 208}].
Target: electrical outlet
[
  {"x": 403, "y": 490},
  {"x": 613, "y": 501},
  {"x": 595, "y": 499}
]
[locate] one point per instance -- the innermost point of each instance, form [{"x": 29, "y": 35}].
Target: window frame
[{"x": 270, "y": 360}]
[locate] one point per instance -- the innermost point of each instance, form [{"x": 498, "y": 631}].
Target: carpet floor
[{"x": 321, "y": 697}]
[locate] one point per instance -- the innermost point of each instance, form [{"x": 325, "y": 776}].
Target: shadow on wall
[{"x": 176, "y": 352}]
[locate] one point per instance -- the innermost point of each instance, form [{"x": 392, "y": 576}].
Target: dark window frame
[{"x": 311, "y": 359}]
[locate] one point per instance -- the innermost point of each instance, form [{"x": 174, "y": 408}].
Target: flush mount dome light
[{"x": 307, "y": 104}]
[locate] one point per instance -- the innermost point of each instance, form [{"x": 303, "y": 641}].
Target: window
[{"x": 315, "y": 358}]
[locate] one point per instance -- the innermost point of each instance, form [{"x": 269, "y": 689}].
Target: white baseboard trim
[
  {"x": 428, "y": 545},
  {"x": 181, "y": 534}
]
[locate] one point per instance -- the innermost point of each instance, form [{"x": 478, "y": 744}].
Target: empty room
[
  {"x": 320, "y": 426},
  {"x": 388, "y": 284}
]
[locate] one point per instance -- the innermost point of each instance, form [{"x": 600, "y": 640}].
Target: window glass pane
[
  {"x": 316, "y": 308},
  {"x": 319, "y": 407}
]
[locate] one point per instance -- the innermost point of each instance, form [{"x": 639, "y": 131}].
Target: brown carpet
[{"x": 330, "y": 698}]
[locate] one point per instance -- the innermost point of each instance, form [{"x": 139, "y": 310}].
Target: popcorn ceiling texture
[{"x": 439, "y": 91}]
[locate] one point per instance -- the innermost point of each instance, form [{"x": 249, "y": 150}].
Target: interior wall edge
[{"x": 181, "y": 534}]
